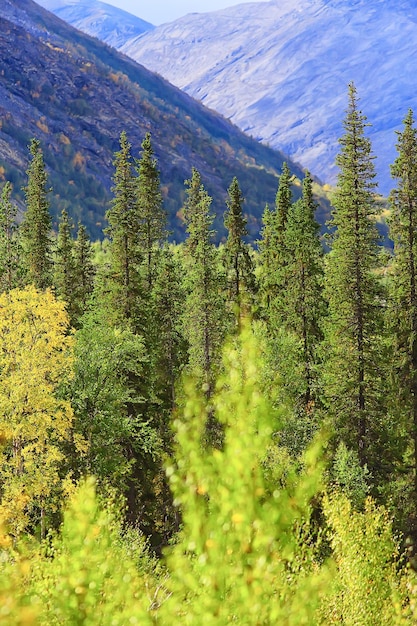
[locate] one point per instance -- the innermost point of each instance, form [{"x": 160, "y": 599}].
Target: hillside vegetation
[
  {"x": 211, "y": 434},
  {"x": 77, "y": 95}
]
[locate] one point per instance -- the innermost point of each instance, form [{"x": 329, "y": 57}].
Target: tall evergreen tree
[
  {"x": 36, "y": 224},
  {"x": 353, "y": 329},
  {"x": 303, "y": 306},
  {"x": 64, "y": 267},
  {"x": 84, "y": 271},
  {"x": 238, "y": 263},
  {"x": 283, "y": 202},
  {"x": 123, "y": 233},
  {"x": 204, "y": 308},
  {"x": 168, "y": 346},
  {"x": 9, "y": 244},
  {"x": 403, "y": 231},
  {"x": 273, "y": 256},
  {"x": 152, "y": 218}
]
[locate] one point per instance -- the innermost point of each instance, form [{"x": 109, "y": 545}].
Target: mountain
[
  {"x": 280, "y": 70},
  {"x": 99, "y": 19},
  {"x": 76, "y": 94}
]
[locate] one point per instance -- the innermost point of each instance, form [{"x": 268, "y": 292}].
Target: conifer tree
[
  {"x": 303, "y": 306},
  {"x": 151, "y": 215},
  {"x": 238, "y": 263},
  {"x": 123, "y": 234},
  {"x": 36, "y": 224},
  {"x": 168, "y": 353},
  {"x": 64, "y": 267},
  {"x": 283, "y": 202},
  {"x": 403, "y": 231},
  {"x": 272, "y": 248},
  {"x": 204, "y": 309},
  {"x": 84, "y": 271},
  {"x": 353, "y": 330},
  {"x": 9, "y": 244}
]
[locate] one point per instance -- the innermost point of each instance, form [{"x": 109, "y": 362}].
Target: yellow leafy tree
[{"x": 35, "y": 360}]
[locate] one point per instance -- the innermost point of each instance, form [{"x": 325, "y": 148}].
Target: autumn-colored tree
[{"x": 35, "y": 360}]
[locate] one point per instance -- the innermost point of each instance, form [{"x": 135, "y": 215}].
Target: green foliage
[
  {"x": 236, "y": 258},
  {"x": 89, "y": 576},
  {"x": 64, "y": 265},
  {"x": 10, "y": 250},
  {"x": 274, "y": 255},
  {"x": 248, "y": 551},
  {"x": 238, "y": 559},
  {"x": 403, "y": 292},
  {"x": 365, "y": 584},
  {"x": 125, "y": 257},
  {"x": 349, "y": 476},
  {"x": 302, "y": 306},
  {"x": 168, "y": 348},
  {"x": 36, "y": 224},
  {"x": 107, "y": 400},
  {"x": 354, "y": 364},
  {"x": 151, "y": 218},
  {"x": 204, "y": 317},
  {"x": 84, "y": 272}
]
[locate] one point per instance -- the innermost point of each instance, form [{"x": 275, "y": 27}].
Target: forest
[{"x": 211, "y": 434}]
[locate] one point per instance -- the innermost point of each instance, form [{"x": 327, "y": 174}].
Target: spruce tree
[
  {"x": 283, "y": 202},
  {"x": 151, "y": 215},
  {"x": 237, "y": 260},
  {"x": 125, "y": 256},
  {"x": 403, "y": 231},
  {"x": 303, "y": 306},
  {"x": 64, "y": 267},
  {"x": 36, "y": 224},
  {"x": 168, "y": 346},
  {"x": 204, "y": 309},
  {"x": 9, "y": 244},
  {"x": 353, "y": 329},
  {"x": 84, "y": 271},
  {"x": 273, "y": 256}
]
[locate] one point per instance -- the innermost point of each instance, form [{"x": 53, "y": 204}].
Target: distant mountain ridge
[
  {"x": 76, "y": 94},
  {"x": 280, "y": 70},
  {"x": 99, "y": 19}
]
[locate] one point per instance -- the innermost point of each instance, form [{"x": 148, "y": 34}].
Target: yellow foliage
[{"x": 35, "y": 359}]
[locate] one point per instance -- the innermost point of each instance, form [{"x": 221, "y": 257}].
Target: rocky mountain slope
[
  {"x": 280, "y": 70},
  {"x": 77, "y": 94},
  {"x": 99, "y": 19}
]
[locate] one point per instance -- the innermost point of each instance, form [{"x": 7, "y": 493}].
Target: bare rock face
[{"x": 280, "y": 71}]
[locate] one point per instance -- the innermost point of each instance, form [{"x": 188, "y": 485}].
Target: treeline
[{"x": 249, "y": 414}]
